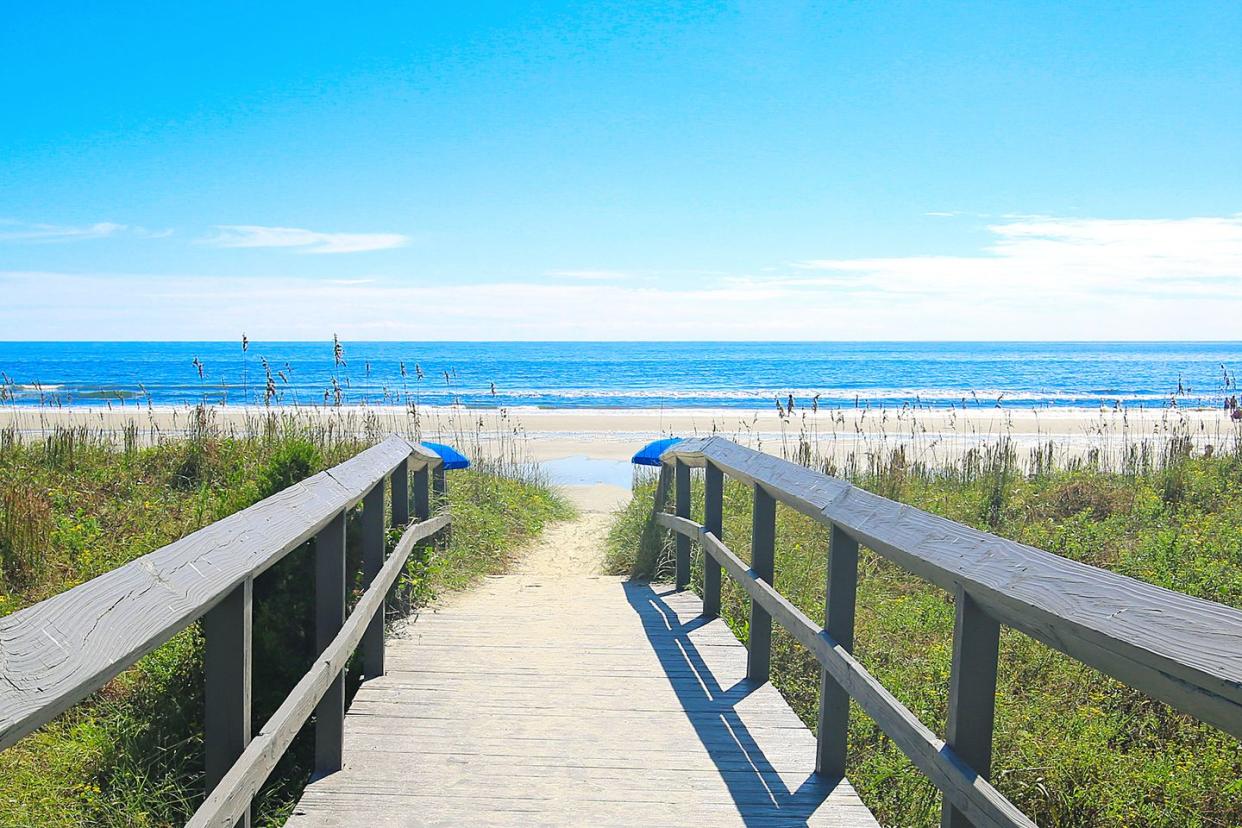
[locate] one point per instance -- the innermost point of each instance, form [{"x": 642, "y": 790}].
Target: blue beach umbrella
[
  {"x": 453, "y": 459},
  {"x": 649, "y": 455}
]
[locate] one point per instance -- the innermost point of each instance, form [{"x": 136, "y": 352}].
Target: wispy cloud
[
  {"x": 590, "y": 275},
  {"x": 33, "y": 233},
  {"x": 303, "y": 241},
  {"x": 1036, "y": 278},
  {"x": 1071, "y": 257},
  {"x": 18, "y": 231}
]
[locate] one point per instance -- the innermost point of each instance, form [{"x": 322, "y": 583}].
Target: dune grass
[
  {"x": 1072, "y": 747},
  {"x": 76, "y": 504}
]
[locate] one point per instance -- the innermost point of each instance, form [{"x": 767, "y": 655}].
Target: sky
[{"x": 614, "y": 171}]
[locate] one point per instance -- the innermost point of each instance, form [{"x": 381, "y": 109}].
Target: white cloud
[
  {"x": 590, "y": 275},
  {"x": 306, "y": 241},
  {"x": 1071, "y": 257},
  {"x": 1038, "y": 278},
  {"x": 18, "y": 231}
]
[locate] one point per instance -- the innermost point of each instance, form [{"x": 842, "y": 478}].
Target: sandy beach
[{"x": 551, "y": 435}]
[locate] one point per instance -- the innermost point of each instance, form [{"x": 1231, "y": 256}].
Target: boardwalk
[{"x": 539, "y": 699}]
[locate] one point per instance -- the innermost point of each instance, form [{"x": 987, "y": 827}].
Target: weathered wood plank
[
  {"x": 583, "y": 701},
  {"x": 57, "y": 652},
  {"x": 234, "y": 793},
  {"x": 682, "y": 505},
  {"x": 1182, "y": 650},
  {"x": 329, "y": 617},
  {"x": 834, "y": 702},
  {"x": 227, "y": 665}
]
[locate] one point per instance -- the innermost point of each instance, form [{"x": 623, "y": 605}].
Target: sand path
[{"x": 574, "y": 548}]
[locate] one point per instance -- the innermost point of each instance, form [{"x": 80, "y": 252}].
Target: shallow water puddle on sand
[{"x": 580, "y": 470}]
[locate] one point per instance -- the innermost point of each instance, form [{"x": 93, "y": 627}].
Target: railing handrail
[
  {"x": 1183, "y": 650},
  {"x": 229, "y": 801},
  {"x": 57, "y": 652}
]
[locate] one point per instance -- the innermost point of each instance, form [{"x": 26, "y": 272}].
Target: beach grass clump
[
  {"x": 1072, "y": 746},
  {"x": 79, "y": 503}
]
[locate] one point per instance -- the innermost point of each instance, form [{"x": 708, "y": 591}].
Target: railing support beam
[
  {"x": 763, "y": 562},
  {"x": 227, "y": 631},
  {"x": 972, "y": 694},
  {"x": 713, "y": 522},
  {"x": 372, "y": 562},
  {"x": 401, "y": 494},
  {"x": 834, "y": 701},
  {"x": 329, "y": 616},
  {"x": 422, "y": 495},
  {"x": 683, "y": 510}
]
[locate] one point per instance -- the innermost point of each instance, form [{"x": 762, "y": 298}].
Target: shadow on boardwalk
[{"x": 760, "y": 794}]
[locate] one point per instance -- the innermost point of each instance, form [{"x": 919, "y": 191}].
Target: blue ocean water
[{"x": 620, "y": 375}]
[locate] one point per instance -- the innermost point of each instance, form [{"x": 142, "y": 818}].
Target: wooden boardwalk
[{"x": 573, "y": 701}]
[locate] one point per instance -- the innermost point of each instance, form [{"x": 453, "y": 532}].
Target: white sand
[{"x": 615, "y": 434}]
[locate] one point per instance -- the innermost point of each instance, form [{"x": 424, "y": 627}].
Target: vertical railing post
[
  {"x": 763, "y": 562},
  {"x": 329, "y": 617},
  {"x": 226, "y": 666},
  {"x": 972, "y": 694},
  {"x": 401, "y": 494},
  {"x": 422, "y": 499},
  {"x": 400, "y": 478},
  {"x": 683, "y": 510},
  {"x": 834, "y": 701},
  {"x": 372, "y": 646},
  {"x": 713, "y": 522}
]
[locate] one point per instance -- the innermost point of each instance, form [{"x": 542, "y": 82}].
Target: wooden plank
[
  {"x": 553, "y": 700},
  {"x": 834, "y": 701},
  {"x": 763, "y": 565},
  {"x": 713, "y": 520},
  {"x": 372, "y": 647},
  {"x": 682, "y": 485},
  {"x": 233, "y": 795},
  {"x": 59, "y": 651},
  {"x": 967, "y": 791},
  {"x": 1182, "y": 650},
  {"x": 972, "y": 695},
  {"x": 401, "y": 494},
  {"x": 227, "y": 660},
  {"x": 329, "y": 616}
]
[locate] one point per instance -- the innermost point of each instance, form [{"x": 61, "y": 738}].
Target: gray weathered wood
[
  {"x": 965, "y": 789},
  {"x": 57, "y": 652},
  {"x": 233, "y": 795},
  {"x": 372, "y": 647},
  {"x": 763, "y": 563},
  {"x": 595, "y": 703},
  {"x": 682, "y": 485},
  {"x": 713, "y": 521},
  {"x": 227, "y": 676},
  {"x": 834, "y": 701},
  {"x": 1182, "y": 650},
  {"x": 401, "y": 495},
  {"x": 972, "y": 695},
  {"x": 329, "y": 616},
  {"x": 422, "y": 499}
]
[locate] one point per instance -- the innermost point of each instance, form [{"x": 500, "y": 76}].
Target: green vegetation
[
  {"x": 74, "y": 506},
  {"x": 1072, "y": 747}
]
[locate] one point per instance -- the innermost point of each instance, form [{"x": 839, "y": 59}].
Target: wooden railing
[
  {"x": 57, "y": 652},
  {"x": 1181, "y": 650}
]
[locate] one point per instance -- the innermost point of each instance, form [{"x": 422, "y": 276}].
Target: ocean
[{"x": 632, "y": 375}]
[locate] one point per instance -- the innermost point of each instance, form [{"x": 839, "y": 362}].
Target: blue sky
[{"x": 621, "y": 171}]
